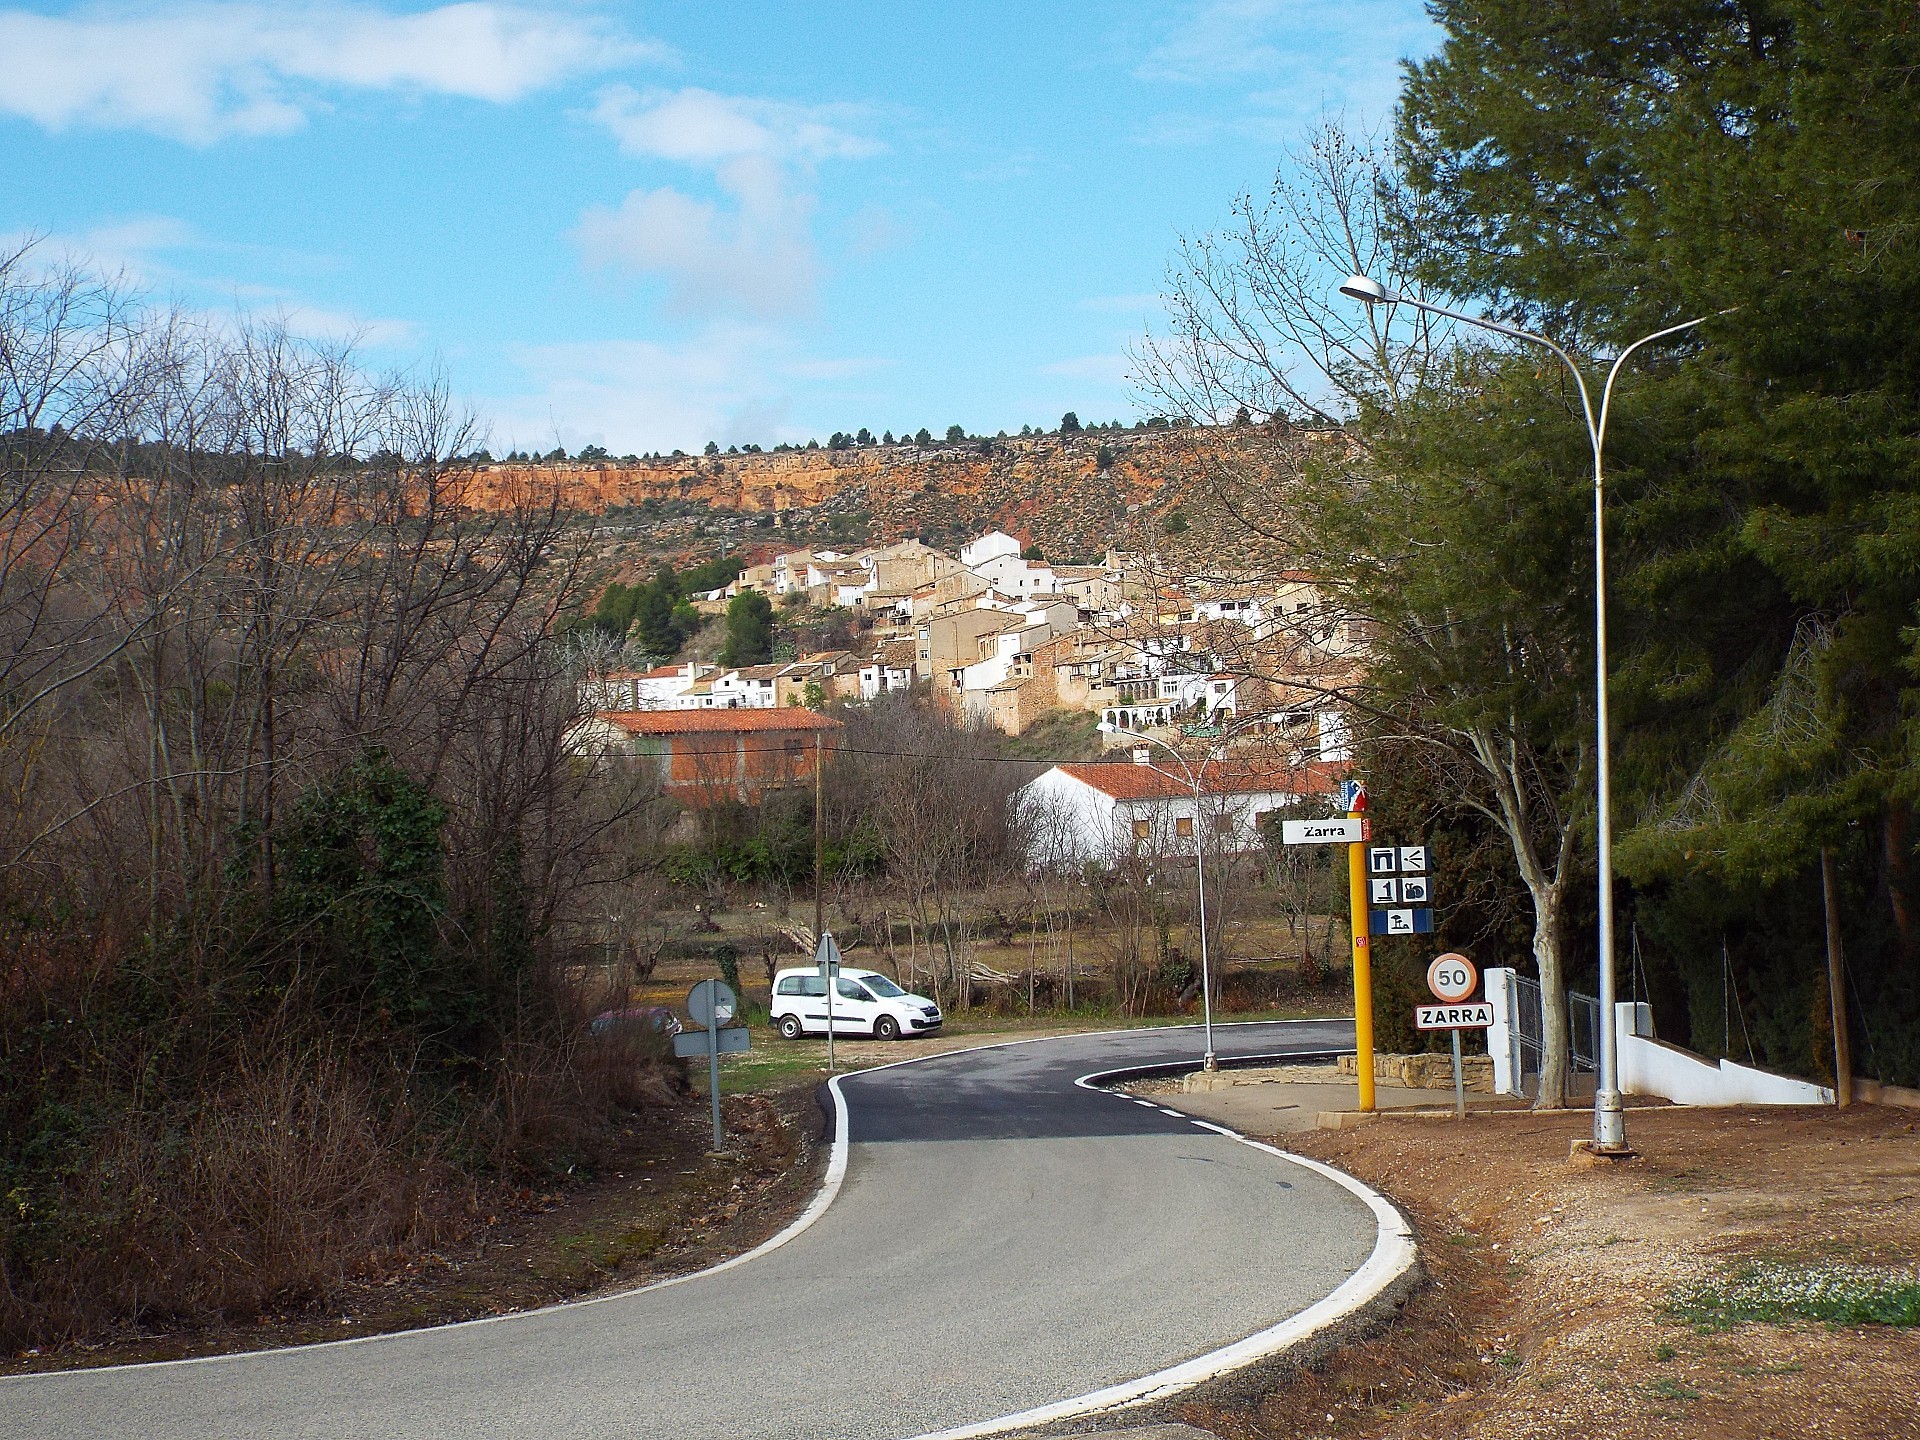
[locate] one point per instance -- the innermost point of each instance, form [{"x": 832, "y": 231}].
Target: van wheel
[
  {"x": 886, "y": 1028},
  {"x": 790, "y": 1027}
]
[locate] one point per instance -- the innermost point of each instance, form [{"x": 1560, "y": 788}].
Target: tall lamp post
[
  {"x": 1195, "y": 778},
  {"x": 1609, "y": 1119}
]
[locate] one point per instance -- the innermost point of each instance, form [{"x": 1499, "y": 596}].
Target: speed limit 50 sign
[{"x": 1452, "y": 978}]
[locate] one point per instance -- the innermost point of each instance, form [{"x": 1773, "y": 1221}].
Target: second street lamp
[
  {"x": 1609, "y": 1119},
  {"x": 1195, "y": 778}
]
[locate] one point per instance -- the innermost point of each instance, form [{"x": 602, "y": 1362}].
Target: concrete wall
[
  {"x": 1649, "y": 1066},
  {"x": 1652, "y": 1067}
]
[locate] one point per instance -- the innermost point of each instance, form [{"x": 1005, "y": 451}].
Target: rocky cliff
[{"x": 1049, "y": 490}]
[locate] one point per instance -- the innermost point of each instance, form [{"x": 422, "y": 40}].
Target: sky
[{"x": 649, "y": 226}]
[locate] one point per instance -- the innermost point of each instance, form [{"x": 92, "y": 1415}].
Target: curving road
[{"x": 1003, "y": 1239}]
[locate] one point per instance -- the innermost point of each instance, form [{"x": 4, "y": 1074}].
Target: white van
[{"x": 865, "y": 1002}]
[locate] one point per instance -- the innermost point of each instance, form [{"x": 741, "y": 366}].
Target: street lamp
[
  {"x": 1195, "y": 779},
  {"x": 1609, "y": 1119}
]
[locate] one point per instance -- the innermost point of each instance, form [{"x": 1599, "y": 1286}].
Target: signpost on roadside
[
  {"x": 827, "y": 956},
  {"x": 1353, "y": 831},
  {"x": 1453, "y": 978},
  {"x": 712, "y": 1004}
]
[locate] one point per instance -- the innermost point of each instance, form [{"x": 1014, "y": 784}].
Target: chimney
[{"x": 1142, "y": 755}]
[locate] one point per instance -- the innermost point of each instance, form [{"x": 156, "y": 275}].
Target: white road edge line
[
  {"x": 1392, "y": 1256},
  {"x": 829, "y": 1189}
]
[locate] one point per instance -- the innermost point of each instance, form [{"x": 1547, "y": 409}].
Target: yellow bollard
[{"x": 1362, "y": 967}]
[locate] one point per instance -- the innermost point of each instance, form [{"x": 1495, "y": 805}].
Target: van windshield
[{"x": 881, "y": 986}]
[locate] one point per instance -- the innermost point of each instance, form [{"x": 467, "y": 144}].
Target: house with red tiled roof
[
  {"x": 706, "y": 757},
  {"x": 1107, "y": 810}
]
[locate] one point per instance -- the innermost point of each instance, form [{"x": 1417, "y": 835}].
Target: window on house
[
  {"x": 1183, "y": 827},
  {"x": 1223, "y": 824},
  {"x": 795, "y": 748},
  {"x": 1142, "y": 829}
]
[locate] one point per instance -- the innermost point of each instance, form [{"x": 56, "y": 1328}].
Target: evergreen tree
[
  {"x": 1069, "y": 424},
  {"x": 749, "y": 630}
]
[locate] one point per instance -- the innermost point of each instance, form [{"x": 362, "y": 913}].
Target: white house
[
  {"x": 1104, "y": 811},
  {"x": 891, "y": 669}
]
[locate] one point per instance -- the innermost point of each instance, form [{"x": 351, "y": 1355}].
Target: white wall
[
  {"x": 1649, "y": 1066},
  {"x": 1652, "y": 1067}
]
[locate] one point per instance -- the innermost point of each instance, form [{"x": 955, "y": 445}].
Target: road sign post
[
  {"x": 827, "y": 956},
  {"x": 1452, "y": 978},
  {"x": 1362, "y": 949},
  {"x": 712, "y": 1004}
]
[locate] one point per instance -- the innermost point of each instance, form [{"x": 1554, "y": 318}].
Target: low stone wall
[{"x": 1426, "y": 1072}]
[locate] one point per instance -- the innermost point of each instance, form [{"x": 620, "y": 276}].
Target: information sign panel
[
  {"x": 1401, "y": 921},
  {"x": 1413, "y": 859},
  {"x": 1383, "y": 860},
  {"x": 692, "y": 1044},
  {"x": 1322, "y": 832},
  {"x": 1383, "y": 891}
]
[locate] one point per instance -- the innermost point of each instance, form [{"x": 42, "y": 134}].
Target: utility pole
[{"x": 1836, "y": 983}]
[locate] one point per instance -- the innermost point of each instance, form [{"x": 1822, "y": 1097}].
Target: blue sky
[{"x": 645, "y": 226}]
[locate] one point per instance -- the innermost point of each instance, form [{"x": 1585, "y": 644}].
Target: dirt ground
[{"x": 1556, "y": 1300}]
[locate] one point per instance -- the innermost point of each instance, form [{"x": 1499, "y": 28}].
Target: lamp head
[{"x": 1369, "y": 292}]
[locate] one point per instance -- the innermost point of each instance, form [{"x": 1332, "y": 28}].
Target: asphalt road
[{"x": 1002, "y": 1240}]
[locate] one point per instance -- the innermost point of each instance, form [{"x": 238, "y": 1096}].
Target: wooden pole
[{"x": 1836, "y": 983}]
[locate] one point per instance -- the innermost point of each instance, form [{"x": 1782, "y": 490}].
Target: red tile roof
[
  {"x": 684, "y": 722},
  {"x": 1124, "y": 780}
]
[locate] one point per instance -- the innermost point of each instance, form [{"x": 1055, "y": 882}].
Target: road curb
[{"x": 1362, "y": 1302}]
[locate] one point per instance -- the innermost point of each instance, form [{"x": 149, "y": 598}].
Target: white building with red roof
[{"x": 1107, "y": 810}]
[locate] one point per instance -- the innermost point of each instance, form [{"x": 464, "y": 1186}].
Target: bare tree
[{"x": 1255, "y": 323}]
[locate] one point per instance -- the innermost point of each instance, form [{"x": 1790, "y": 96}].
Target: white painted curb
[{"x": 1392, "y": 1256}]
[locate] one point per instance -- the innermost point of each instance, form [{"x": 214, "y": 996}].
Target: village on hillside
[
  {"x": 998, "y": 636},
  {"x": 1237, "y": 678}
]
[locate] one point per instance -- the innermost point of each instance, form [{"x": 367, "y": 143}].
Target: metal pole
[
  {"x": 1207, "y": 1061},
  {"x": 713, "y": 1073},
  {"x": 1362, "y": 966},
  {"x": 1609, "y": 1119},
  {"x": 1459, "y": 1084},
  {"x": 820, "y": 882}
]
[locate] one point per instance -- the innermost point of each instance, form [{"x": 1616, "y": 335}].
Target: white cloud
[
  {"x": 724, "y": 384},
  {"x": 698, "y": 127},
  {"x": 1142, "y": 304},
  {"x": 755, "y": 258},
  {"x": 1306, "y": 57},
  {"x": 837, "y": 369},
  {"x": 1108, "y": 369},
  {"x": 1220, "y": 38},
  {"x": 202, "y": 72},
  {"x": 749, "y": 254}
]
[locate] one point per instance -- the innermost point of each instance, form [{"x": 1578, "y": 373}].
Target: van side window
[
  {"x": 850, "y": 990},
  {"x": 791, "y": 985},
  {"x": 812, "y": 985}
]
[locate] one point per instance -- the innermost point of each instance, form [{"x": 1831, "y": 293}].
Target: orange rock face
[{"x": 1048, "y": 488}]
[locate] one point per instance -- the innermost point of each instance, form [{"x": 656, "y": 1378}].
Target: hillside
[{"x": 1049, "y": 490}]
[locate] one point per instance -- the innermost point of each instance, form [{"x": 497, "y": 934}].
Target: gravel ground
[{"x": 1556, "y": 1305}]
